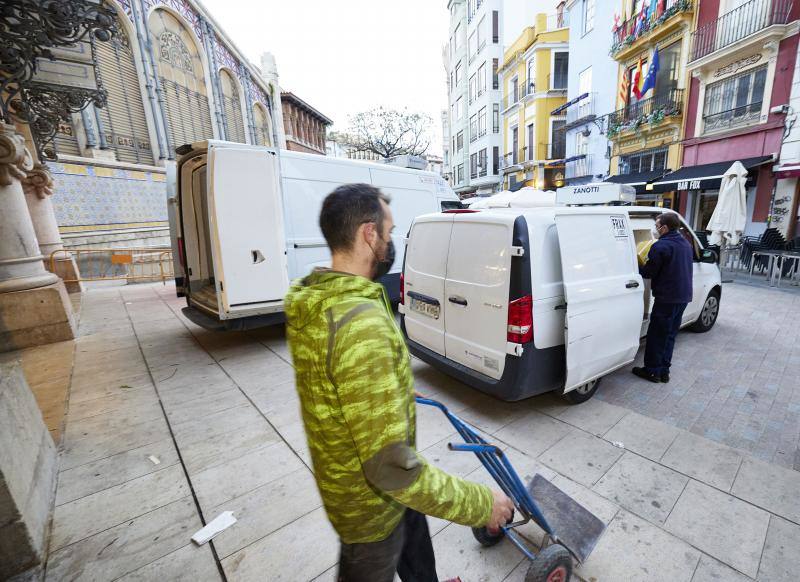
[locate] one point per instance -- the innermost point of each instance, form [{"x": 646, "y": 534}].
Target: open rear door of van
[
  {"x": 603, "y": 291},
  {"x": 246, "y": 222}
]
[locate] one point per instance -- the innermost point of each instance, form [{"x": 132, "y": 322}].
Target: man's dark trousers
[
  {"x": 665, "y": 321},
  {"x": 408, "y": 551}
]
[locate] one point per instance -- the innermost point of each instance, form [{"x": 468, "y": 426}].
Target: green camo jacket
[{"x": 356, "y": 391}]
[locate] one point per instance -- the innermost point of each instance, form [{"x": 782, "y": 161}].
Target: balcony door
[{"x": 514, "y": 145}]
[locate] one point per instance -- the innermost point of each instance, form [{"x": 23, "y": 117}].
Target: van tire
[
  {"x": 708, "y": 314},
  {"x": 582, "y": 393}
]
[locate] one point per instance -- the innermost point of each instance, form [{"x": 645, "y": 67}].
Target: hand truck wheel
[{"x": 552, "y": 564}]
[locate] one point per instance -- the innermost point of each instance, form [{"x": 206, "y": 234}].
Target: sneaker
[
  {"x": 643, "y": 373},
  {"x": 665, "y": 377}
]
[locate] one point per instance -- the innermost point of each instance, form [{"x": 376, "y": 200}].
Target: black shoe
[
  {"x": 643, "y": 373},
  {"x": 665, "y": 377}
]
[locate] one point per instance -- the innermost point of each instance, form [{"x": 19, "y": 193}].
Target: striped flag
[
  {"x": 625, "y": 87},
  {"x": 638, "y": 80}
]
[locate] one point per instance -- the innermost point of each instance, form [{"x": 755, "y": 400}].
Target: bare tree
[{"x": 388, "y": 132}]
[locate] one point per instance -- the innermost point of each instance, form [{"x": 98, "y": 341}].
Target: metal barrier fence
[{"x": 133, "y": 265}]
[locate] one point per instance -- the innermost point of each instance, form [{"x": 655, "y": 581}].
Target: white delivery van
[
  {"x": 518, "y": 301},
  {"x": 245, "y": 222}
]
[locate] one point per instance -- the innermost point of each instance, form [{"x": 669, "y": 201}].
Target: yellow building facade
[
  {"x": 533, "y": 78},
  {"x": 646, "y": 133}
]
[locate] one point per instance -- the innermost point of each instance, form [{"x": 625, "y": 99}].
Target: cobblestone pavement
[
  {"x": 738, "y": 384},
  {"x": 169, "y": 425}
]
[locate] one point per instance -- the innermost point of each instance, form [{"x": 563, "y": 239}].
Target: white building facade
[
  {"x": 474, "y": 53},
  {"x": 591, "y": 92}
]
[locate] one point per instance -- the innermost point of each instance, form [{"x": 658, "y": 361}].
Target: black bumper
[{"x": 535, "y": 372}]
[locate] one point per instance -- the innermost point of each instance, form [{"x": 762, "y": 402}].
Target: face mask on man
[{"x": 383, "y": 264}]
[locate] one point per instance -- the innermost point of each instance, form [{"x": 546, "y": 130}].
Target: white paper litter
[
  {"x": 155, "y": 460},
  {"x": 219, "y": 524},
  {"x": 618, "y": 444}
]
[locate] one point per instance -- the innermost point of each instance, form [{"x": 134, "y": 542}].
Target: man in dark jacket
[{"x": 669, "y": 268}]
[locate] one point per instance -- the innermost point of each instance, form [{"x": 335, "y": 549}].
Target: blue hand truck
[{"x": 570, "y": 529}]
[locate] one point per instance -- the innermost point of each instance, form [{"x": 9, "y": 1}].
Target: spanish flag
[{"x": 638, "y": 79}]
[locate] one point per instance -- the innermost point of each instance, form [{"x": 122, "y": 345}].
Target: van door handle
[
  {"x": 258, "y": 256},
  {"x": 458, "y": 300},
  {"x": 631, "y": 284},
  {"x": 559, "y": 307}
]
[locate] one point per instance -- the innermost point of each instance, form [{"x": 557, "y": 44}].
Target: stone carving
[
  {"x": 737, "y": 65},
  {"x": 173, "y": 50},
  {"x": 15, "y": 159},
  {"x": 38, "y": 181}
]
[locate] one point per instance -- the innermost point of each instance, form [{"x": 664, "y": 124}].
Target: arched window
[
  {"x": 122, "y": 121},
  {"x": 262, "y": 123},
  {"x": 180, "y": 71},
  {"x": 232, "y": 106}
]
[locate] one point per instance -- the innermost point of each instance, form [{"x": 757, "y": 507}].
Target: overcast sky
[{"x": 347, "y": 56}]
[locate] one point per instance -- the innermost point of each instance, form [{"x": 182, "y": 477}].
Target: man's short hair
[
  {"x": 670, "y": 220},
  {"x": 347, "y": 208}
]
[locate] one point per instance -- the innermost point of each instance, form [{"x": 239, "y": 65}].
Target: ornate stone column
[
  {"x": 38, "y": 188},
  {"x": 34, "y": 305}
]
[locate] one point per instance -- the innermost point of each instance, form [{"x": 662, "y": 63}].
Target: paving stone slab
[
  {"x": 632, "y": 550},
  {"x": 534, "y": 433},
  {"x": 128, "y": 546},
  {"x": 780, "y": 561},
  {"x": 489, "y": 414},
  {"x": 110, "y": 423},
  {"x": 82, "y": 448},
  {"x": 188, "y": 564},
  {"x": 643, "y": 487},
  {"x": 643, "y": 435},
  {"x": 432, "y": 427},
  {"x": 721, "y": 525},
  {"x": 457, "y": 463},
  {"x": 594, "y": 416},
  {"x": 703, "y": 459},
  {"x": 314, "y": 550},
  {"x": 80, "y": 392},
  {"x": 266, "y": 509},
  {"x": 711, "y": 570},
  {"x": 221, "y": 448},
  {"x": 769, "y": 486},
  {"x": 459, "y": 554},
  {"x": 217, "y": 423},
  {"x": 93, "y": 477},
  {"x": 94, "y": 513},
  {"x": 215, "y": 486},
  {"x": 125, "y": 403},
  {"x": 204, "y": 405},
  {"x": 581, "y": 457}
]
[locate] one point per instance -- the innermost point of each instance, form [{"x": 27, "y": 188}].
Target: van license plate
[{"x": 426, "y": 309}]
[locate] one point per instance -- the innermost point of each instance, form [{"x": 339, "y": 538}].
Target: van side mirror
[{"x": 709, "y": 256}]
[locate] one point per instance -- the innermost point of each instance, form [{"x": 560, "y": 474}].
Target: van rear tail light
[
  {"x": 180, "y": 251},
  {"x": 520, "y": 320},
  {"x": 402, "y": 288}
]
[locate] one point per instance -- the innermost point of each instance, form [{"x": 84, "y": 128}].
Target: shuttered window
[
  {"x": 122, "y": 121},
  {"x": 65, "y": 142},
  {"x": 232, "y": 105},
  {"x": 180, "y": 71},
  {"x": 263, "y": 130}
]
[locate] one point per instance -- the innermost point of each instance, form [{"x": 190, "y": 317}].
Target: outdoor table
[
  {"x": 772, "y": 255},
  {"x": 793, "y": 256}
]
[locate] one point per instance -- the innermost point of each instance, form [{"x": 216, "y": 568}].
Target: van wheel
[
  {"x": 582, "y": 393},
  {"x": 708, "y": 315}
]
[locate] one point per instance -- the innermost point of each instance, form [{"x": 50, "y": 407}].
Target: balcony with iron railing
[
  {"x": 579, "y": 166},
  {"x": 523, "y": 89},
  {"x": 738, "y": 24},
  {"x": 556, "y": 150},
  {"x": 732, "y": 118},
  {"x": 582, "y": 111},
  {"x": 639, "y": 26},
  {"x": 513, "y": 160},
  {"x": 652, "y": 111}
]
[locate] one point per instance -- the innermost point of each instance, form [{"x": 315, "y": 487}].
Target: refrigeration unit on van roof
[{"x": 599, "y": 193}]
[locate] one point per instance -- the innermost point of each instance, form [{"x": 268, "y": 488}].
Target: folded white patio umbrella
[{"x": 729, "y": 217}]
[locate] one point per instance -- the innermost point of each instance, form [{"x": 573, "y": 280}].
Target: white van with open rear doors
[
  {"x": 244, "y": 222},
  {"x": 538, "y": 297}
]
